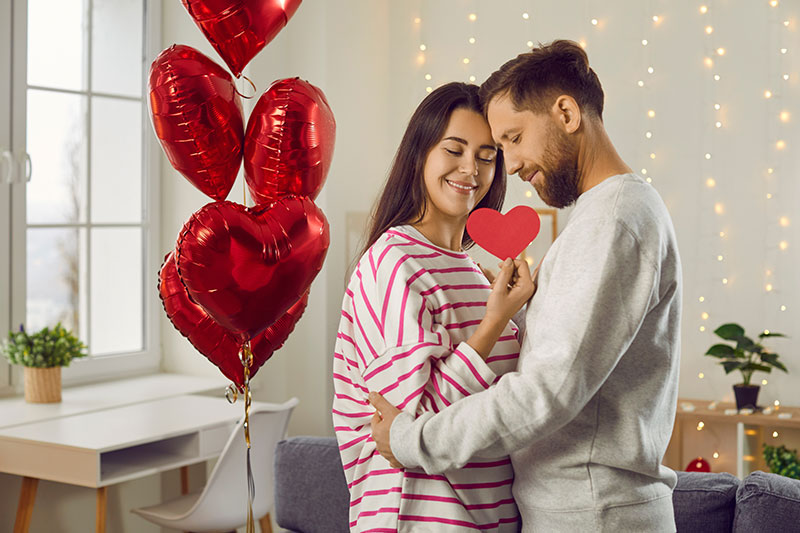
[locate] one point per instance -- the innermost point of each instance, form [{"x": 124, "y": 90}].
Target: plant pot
[
  {"x": 43, "y": 385},
  {"x": 746, "y": 396}
]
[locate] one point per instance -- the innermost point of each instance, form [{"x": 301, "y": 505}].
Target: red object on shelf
[{"x": 698, "y": 465}]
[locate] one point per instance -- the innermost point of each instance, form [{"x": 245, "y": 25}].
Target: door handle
[{"x": 6, "y": 167}]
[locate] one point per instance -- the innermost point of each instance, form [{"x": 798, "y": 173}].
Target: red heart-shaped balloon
[
  {"x": 239, "y": 29},
  {"x": 197, "y": 116},
  {"x": 211, "y": 339},
  {"x": 504, "y": 235},
  {"x": 288, "y": 144},
  {"x": 247, "y": 266}
]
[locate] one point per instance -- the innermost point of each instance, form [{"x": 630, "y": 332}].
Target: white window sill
[{"x": 86, "y": 398}]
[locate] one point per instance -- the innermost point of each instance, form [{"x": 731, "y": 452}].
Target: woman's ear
[{"x": 567, "y": 113}]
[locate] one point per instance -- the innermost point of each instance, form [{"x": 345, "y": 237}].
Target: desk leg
[
  {"x": 27, "y": 497},
  {"x": 266, "y": 524},
  {"x": 184, "y": 480},
  {"x": 100, "y": 521}
]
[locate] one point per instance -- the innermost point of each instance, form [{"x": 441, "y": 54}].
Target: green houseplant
[
  {"x": 782, "y": 461},
  {"x": 42, "y": 354},
  {"x": 746, "y": 356}
]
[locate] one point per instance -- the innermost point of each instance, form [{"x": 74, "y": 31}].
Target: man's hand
[{"x": 381, "y": 424}]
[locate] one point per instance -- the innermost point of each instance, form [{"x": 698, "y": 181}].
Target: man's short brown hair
[{"x": 535, "y": 79}]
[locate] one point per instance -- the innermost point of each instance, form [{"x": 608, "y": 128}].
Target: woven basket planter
[{"x": 43, "y": 385}]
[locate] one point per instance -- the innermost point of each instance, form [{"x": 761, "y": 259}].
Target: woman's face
[{"x": 459, "y": 168}]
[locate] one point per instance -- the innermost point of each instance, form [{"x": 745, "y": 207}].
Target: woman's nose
[{"x": 469, "y": 166}]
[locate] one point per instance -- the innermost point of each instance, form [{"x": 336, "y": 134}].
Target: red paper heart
[
  {"x": 288, "y": 144},
  {"x": 211, "y": 339},
  {"x": 197, "y": 116},
  {"x": 247, "y": 266},
  {"x": 504, "y": 235},
  {"x": 239, "y": 29}
]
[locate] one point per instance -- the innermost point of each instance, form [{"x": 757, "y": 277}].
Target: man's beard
[{"x": 559, "y": 186}]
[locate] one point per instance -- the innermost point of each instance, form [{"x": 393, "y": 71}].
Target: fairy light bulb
[
  {"x": 651, "y": 113},
  {"x": 472, "y": 40},
  {"x": 465, "y": 61},
  {"x": 720, "y": 258},
  {"x": 716, "y": 77},
  {"x": 700, "y": 425},
  {"x": 724, "y": 281},
  {"x": 722, "y": 234},
  {"x": 526, "y": 16},
  {"x": 773, "y": 3},
  {"x": 785, "y": 116},
  {"x": 769, "y": 196},
  {"x": 770, "y": 170},
  {"x": 711, "y": 183},
  {"x": 764, "y": 382},
  {"x": 715, "y": 455},
  {"x": 530, "y": 44},
  {"x": 640, "y": 83},
  {"x": 704, "y": 316},
  {"x": 718, "y": 124},
  {"x": 783, "y": 308},
  {"x": 473, "y": 17},
  {"x": 777, "y": 404},
  {"x": 703, "y": 10},
  {"x": 648, "y": 134},
  {"x": 644, "y": 172},
  {"x": 528, "y": 194},
  {"x": 767, "y": 94},
  {"x": 428, "y": 89},
  {"x": 786, "y": 23},
  {"x": 709, "y": 30},
  {"x": 417, "y": 20},
  {"x": 594, "y": 22},
  {"x": 582, "y": 43},
  {"x": 768, "y": 287},
  {"x": 428, "y": 76},
  {"x": 774, "y": 433},
  {"x": 644, "y": 42},
  {"x": 717, "y": 107},
  {"x": 650, "y": 70},
  {"x": 780, "y": 145},
  {"x": 701, "y": 375},
  {"x": 784, "y": 50},
  {"x": 708, "y": 62},
  {"x": 656, "y": 19},
  {"x": 472, "y": 79},
  {"x": 784, "y": 222},
  {"x": 783, "y": 245},
  {"x": 422, "y": 47},
  {"x": 707, "y": 156},
  {"x": 652, "y": 156},
  {"x": 702, "y": 299},
  {"x": 421, "y": 58}
]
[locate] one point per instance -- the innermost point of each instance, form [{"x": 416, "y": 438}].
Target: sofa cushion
[
  {"x": 767, "y": 502},
  {"x": 704, "y": 502},
  {"x": 311, "y": 494}
]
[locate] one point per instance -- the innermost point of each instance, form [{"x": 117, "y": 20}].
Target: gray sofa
[{"x": 311, "y": 495}]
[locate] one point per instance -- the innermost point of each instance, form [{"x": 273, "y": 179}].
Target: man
[{"x": 588, "y": 415}]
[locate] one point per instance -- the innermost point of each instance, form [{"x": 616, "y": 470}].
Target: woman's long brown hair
[{"x": 402, "y": 200}]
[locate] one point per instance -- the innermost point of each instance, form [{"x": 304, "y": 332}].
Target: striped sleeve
[{"x": 417, "y": 367}]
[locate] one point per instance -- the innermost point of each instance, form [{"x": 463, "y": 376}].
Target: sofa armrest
[
  {"x": 704, "y": 502},
  {"x": 311, "y": 494},
  {"x": 767, "y": 502}
]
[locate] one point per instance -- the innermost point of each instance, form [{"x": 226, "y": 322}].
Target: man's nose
[{"x": 513, "y": 165}]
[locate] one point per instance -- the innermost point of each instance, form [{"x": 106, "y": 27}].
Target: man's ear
[{"x": 567, "y": 113}]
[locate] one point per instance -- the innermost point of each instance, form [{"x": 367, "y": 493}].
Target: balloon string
[
  {"x": 253, "y": 85},
  {"x": 247, "y": 361}
]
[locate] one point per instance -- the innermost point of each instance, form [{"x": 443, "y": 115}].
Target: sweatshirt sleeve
[
  {"x": 414, "y": 364},
  {"x": 600, "y": 287}
]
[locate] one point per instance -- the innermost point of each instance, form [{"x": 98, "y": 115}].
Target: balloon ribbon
[{"x": 247, "y": 361}]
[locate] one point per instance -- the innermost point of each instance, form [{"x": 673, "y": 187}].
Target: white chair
[{"x": 222, "y": 504}]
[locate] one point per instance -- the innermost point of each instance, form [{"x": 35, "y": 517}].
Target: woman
[{"x": 421, "y": 324}]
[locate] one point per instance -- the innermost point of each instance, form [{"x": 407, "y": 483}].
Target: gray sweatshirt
[{"x": 587, "y": 417}]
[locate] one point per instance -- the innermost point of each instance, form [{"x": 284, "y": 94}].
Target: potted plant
[
  {"x": 746, "y": 356},
  {"x": 42, "y": 354}
]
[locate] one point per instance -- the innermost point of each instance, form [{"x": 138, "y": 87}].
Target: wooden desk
[
  {"x": 115, "y": 444},
  {"x": 749, "y": 430}
]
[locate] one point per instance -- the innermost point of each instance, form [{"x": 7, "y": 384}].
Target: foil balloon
[
  {"x": 246, "y": 266},
  {"x": 197, "y": 116},
  {"x": 212, "y": 340},
  {"x": 289, "y": 142},
  {"x": 239, "y": 29}
]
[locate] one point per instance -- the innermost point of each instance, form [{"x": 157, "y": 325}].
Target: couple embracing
[{"x": 466, "y": 401}]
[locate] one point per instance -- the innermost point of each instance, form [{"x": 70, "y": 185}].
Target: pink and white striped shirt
[{"x": 408, "y": 311}]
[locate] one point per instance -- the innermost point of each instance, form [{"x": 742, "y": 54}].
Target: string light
[
  {"x": 526, "y": 16},
  {"x": 700, "y": 425},
  {"x": 774, "y": 434},
  {"x": 703, "y": 10},
  {"x": 473, "y": 17},
  {"x": 701, "y": 375},
  {"x": 715, "y": 455}
]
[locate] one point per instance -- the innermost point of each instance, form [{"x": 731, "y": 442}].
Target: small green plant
[
  {"x": 747, "y": 356},
  {"x": 782, "y": 461},
  {"x": 43, "y": 349}
]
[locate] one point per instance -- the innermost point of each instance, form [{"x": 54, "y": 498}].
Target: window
[{"x": 87, "y": 217}]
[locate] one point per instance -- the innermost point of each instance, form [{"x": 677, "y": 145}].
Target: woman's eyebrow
[{"x": 464, "y": 142}]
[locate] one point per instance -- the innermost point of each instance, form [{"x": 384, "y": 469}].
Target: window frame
[{"x": 105, "y": 366}]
